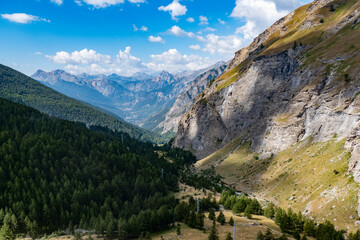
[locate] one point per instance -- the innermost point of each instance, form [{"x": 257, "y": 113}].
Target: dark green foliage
[
  {"x": 347, "y": 78},
  {"x": 20, "y": 88},
  {"x": 211, "y": 214},
  {"x": 269, "y": 211},
  {"x": 221, "y": 218},
  {"x": 231, "y": 221},
  {"x": 205, "y": 179},
  {"x": 260, "y": 236},
  {"x": 332, "y": 8},
  {"x": 58, "y": 175},
  {"x": 178, "y": 230},
  {"x": 269, "y": 235},
  {"x": 355, "y": 236},
  {"x": 228, "y": 237},
  {"x": 247, "y": 212},
  {"x": 310, "y": 228},
  {"x": 182, "y": 211},
  {"x": 327, "y": 230},
  {"x": 322, "y": 20},
  {"x": 213, "y": 232}
]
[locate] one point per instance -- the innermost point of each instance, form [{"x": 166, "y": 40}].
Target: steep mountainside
[
  {"x": 134, "y": 99},
  {"x": 296, "y": 81},
  {"x": 18, "y": 87},
  {"x": 185, "y": 100}
]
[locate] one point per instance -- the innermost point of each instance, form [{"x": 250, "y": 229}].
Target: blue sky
[{"x": 129, "y": 36}]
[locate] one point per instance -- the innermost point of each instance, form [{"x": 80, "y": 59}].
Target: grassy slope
[
  {"x": 244, "y": 230},
  {"x": 18, "y": 87},
  {"x": 309, "y": 177},
  {"x": 319, "y": 45}
]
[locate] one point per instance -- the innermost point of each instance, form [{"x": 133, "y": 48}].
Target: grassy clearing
[
  {"x": 247, "y": 229},
  {"x": 308, "y": 177}
]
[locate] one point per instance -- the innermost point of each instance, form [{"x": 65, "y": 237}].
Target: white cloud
[
  {"x": 23, "y": 18},
  {"x": 209, "y": 29},
  {"x": 80, "y": 57},
  {"x": 175, "y": 9},
  {"x": 177, "y": 31},
  {"x": 105, "y": 3},
  {"x": 173, "y": 61},
  {"x": 195, "y": 47},
  {"x": 156, "y": 39},
  {"x": 124, "y": 63},
  {"x": 260, "y": 14},
  {"x": 135, "y": 28},
  {"x": 190, "y": 19},
  {"x": 225, "y": 45},
  {"x": 38, "y": 53},
  {"x": 58, "y": 2},
  {"x": 143, "y": 28},
  {"x": 203, "y": 20},
  {"x": 221, "y": 21},
  {"x": 137, "y": 1}
]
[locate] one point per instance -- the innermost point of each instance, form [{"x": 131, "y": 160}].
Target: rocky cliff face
[
  {"x": 297, "y": 79},
  {"x": 185, "y": 100}
]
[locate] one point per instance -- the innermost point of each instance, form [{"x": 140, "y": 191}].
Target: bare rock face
[
  {"x": 184, "y": 101},
  {"x": 280, "y": 96}
]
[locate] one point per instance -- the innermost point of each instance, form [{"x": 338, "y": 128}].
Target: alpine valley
[{"x": 264, "y": 146}]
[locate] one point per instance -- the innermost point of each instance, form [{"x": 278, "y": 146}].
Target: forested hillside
[
  {"x": 20, "y": 88},
  {"x": 60, "y": 175}
]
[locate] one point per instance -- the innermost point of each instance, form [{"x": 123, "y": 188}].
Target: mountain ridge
[{"x": 18, "y": 87}]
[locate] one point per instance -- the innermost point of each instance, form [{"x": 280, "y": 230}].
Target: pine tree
[
  {"x": 6, "y": 233},
  {"x": 247, "y": 212},
  {"x": 260, "y": 236},
  {"x": 221, "y": 218},
  {"x": 228, "y": 237},
  {"x": 211, "y": 214},
  {"x": 200, "y": 220},
  {"x": 269, "y": 235},
  {"x": 213, "y": 232},
  {"x": 269, "y": 211},
  {"x": 178, "y": 230},
  {"x": 231, "y": 221}
]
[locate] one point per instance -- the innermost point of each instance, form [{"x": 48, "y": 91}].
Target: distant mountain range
[
  {"x": 137, "y": 99},
  {"x": 20, "y": 88}
]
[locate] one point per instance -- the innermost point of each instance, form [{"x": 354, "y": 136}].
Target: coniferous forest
[{"x": 57, "y": 175}]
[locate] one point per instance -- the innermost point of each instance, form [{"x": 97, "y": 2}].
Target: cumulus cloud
[
  {"x": 175, "y": 9},
  {"x": 23, "y": 18},
  {"x": 260, "y": 14},
  {"x": 105, "y": 3},
  {"x": 58, "y": 2},
  {"x": 203, "y": 20},
  {"x": 195, "y": 47},
  {"x": 225, "y": 45},
  {"x": 156, "y": 39},
  {"x": 173, "y": 61},
  {"x": 177, "y": 31},
  {"x": 190, "y": 19},
  {"x": 79, "y": 57},
  {"x": 124, "y": 63}
]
